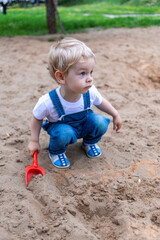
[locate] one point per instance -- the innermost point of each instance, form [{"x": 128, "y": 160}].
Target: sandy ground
[{"x": 113, "y": 197}]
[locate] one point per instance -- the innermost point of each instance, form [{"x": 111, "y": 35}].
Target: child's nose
[{"x": 89, "y": 78}]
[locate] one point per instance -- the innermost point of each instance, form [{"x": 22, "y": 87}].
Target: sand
[{"x": 113, "y": 197}]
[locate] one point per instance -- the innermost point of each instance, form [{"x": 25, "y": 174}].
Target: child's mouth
[{"x": 88, "y": 86}]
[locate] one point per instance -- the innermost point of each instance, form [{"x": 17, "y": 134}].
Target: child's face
[{"x": 79, "y": 77}]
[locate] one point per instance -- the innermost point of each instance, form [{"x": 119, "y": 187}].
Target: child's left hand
[{"x": 117, "y": 122}]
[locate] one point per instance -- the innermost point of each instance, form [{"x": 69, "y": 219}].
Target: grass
[
  {"x": 110, "y": 8},
  {"x": 32, "y": 21},
  {"x": 100, "y": 21}
]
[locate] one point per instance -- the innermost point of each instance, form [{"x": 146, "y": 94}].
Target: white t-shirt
[{"x": 45, "y": 108}]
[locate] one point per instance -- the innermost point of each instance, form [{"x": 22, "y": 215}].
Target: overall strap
[
  {"x": 56, "y": 102},
  {"x": 86, "y": 98}
]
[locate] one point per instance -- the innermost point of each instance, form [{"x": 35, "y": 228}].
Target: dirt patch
[{"x": 114, "y": 197}]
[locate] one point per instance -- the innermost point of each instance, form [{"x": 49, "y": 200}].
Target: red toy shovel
[{"x": 33, "y": 169}]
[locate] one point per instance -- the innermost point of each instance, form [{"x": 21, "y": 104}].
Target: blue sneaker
[
  {"x": 92, "y": 150},
  {"x": 59, "y": 160}
]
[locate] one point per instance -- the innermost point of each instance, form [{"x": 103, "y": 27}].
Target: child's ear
[{"x": 60, "y": 77}]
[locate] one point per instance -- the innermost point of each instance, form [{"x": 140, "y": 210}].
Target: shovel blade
[{"x": 31, "y": 171}]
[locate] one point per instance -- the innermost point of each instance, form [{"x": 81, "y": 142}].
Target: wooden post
[{"x": 59, "y": 19}]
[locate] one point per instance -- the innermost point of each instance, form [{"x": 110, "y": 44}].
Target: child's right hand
[{"x": 33, "y": 146}]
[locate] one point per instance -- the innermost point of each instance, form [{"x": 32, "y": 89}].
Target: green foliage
[
  {"x": 77, "y": 2},
  {"x": 141, "y": 2},
  {"x": 115, "y": 2}
]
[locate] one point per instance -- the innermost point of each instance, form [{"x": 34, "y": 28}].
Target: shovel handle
[{"x": 35, "y": 161}]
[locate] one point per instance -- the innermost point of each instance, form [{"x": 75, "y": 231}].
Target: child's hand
[
  {"x": 117, "y": 122},
  {"x": 33, "y": 146}
]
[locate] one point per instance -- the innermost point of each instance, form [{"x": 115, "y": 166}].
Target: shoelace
[
  {"x": 62, "y": 159},
  {"x": 95, "y": 152}
]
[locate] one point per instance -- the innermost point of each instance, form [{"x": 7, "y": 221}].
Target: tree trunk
[{"x": 51, "y": 16}]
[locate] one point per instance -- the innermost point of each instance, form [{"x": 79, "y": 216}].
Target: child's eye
[
  {"x": 91, "y": 72},
  {"x": 82, "y": 73}
]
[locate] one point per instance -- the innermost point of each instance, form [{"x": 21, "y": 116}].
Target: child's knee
[
  {"x": 63, "y": 135},
  {"x": 101, "y": 123}
]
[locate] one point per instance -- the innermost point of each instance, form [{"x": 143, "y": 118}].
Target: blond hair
[{"x": 65, "y": 54}]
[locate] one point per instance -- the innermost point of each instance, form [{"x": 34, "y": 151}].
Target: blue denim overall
[{"x": 85, "y": 124}]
